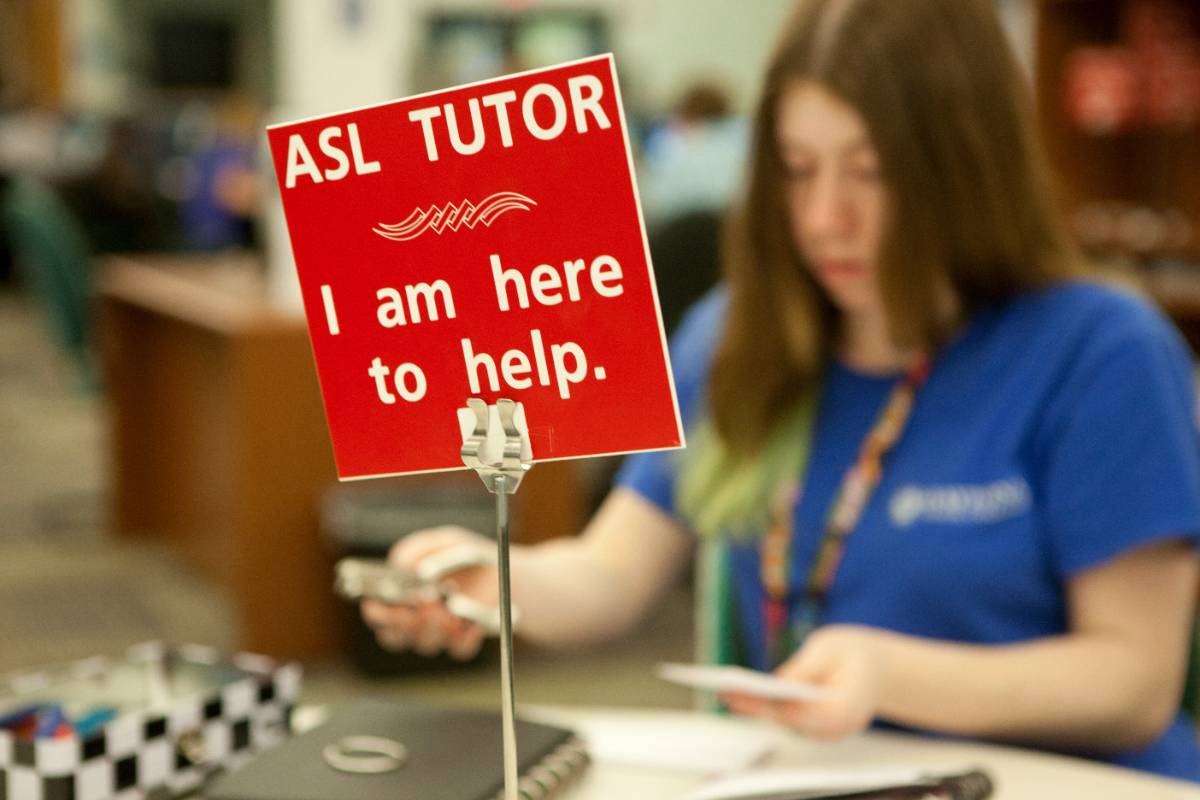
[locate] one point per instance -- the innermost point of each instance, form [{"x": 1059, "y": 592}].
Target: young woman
[{"x": 951, "y": 480}]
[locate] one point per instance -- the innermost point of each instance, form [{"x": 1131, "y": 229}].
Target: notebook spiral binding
[{"x": 554, "y": 773}]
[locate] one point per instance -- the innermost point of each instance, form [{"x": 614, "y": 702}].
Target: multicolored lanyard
[{"x": 784, "y": 635}]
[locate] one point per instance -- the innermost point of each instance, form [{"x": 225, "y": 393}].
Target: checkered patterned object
[{"x": 153, "y": 755}]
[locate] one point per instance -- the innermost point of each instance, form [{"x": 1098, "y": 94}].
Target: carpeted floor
[{"x": 67, "y": 591}]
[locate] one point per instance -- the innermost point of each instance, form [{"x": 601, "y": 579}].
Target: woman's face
[{"x": 837, "y": 201}]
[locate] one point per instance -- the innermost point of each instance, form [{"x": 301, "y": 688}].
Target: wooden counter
[{"x": 219, "y": 444}]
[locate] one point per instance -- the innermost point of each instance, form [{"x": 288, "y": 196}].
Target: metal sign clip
[{"x": 503, "y": 475}]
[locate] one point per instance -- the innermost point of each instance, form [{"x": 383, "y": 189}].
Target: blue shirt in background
[{"x": 1055, "y": 433}]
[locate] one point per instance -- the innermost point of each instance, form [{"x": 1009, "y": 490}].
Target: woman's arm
[
  {"x": 1111, "y": 684},
  {"x": 571, "y": 591},
  {"x": 577, "y": 591}
]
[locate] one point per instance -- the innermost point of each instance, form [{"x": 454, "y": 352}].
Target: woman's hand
[
  {"x": 572, "y": 591},
  {"x": 844, "y": 659},
  {"x": 428, "y": 627}
]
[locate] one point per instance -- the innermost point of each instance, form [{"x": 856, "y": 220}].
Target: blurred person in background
[
  {"x": 223, "y": 188},
  {"x": 115, "y": 199},
  {"x": 932, "y": 466},
  {"x": 693, "y": 161},
  {"x": 691, "y": 166}
]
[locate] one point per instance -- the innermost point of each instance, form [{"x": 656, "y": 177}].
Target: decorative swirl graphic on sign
[{"x": 453, "y": 216}]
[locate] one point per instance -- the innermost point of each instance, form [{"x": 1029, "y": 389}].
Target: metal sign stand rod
[
  {"x": 502, "y": 479},
  {"x": 507, "y": 689}
]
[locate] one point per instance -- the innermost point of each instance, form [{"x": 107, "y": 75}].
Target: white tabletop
[{"x": 1017, "y": 773}]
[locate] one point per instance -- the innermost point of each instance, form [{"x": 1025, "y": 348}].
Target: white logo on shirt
[{"x": 990, "y": 502}]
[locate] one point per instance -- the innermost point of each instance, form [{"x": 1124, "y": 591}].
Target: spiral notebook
[{"x": 453, "y": 754}]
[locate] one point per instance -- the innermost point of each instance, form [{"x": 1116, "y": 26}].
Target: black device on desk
[{"x": 431, "y": 753}]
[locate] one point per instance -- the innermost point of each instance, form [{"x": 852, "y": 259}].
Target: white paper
[
  {"x": 804, "y": 782},
  {"x": 739, "y": 679},
  {"x": 704, "y": 745}
]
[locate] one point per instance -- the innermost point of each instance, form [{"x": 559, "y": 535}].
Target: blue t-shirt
[{"x": 1055, "y": 433}]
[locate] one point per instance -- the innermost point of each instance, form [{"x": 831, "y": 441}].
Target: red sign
[{"x": 482, "y": 241}]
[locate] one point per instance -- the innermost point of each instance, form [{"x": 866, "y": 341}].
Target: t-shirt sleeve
[
  {"x": 1120, "y": 463},
  {"x": 652, "y": 474}
]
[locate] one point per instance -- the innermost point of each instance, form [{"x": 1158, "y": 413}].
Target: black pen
[{"x": 970, "y": 785}]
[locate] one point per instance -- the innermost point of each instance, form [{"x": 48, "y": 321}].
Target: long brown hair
[{"x": 947, "y": 111}]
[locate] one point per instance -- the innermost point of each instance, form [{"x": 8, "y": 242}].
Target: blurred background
[{"x": 165, "y": 471}]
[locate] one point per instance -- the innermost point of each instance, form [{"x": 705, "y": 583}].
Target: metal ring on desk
[{"x": 365, "y": 755}]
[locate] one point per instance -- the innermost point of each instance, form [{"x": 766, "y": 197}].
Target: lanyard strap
[{"x": 849, "y": 501}]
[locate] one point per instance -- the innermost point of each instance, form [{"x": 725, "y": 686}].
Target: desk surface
[{"x": 1017, "y": 773}]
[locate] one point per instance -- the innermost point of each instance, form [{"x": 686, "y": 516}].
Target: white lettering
[
  {"x": 604, "y": 269},
  {"x": 300, "y": 162},
  {"x": 400, "y": 378},
  {"x": 477, "y": 140},
  {"x": 473, "y": 362},
  {"x": 590, "y": 103},
  {"x": 539, "y": 357},
  {"x": 500, "y": 102},
  {"x": 567, "y": 360},
  {"x": 501, "y": 278},
  {"x": 559, "y": 353},
  {"x": 361, "y": 166},
  {"x": 330, "y": 311},
  {"x": 546, "y": 282},
  {"x": 426, "y": 116},
  {"x": 573, "y": 269},
  {"x": 514, "y": 364},
  {"x": 324, "y": 141},
  {"x": 985, "y": 503},
  {"x": 378, "y": 371},
  {"x": 541, "y": 103},
  {"x": 556, "y": 101},
  {"x": 426, "y": 291},
  {"x": 391, "y": 312},
  {"x": 543, "y": 281}
]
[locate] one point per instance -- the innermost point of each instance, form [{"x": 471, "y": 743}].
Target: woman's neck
[{"x": 866, "y": 346}]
